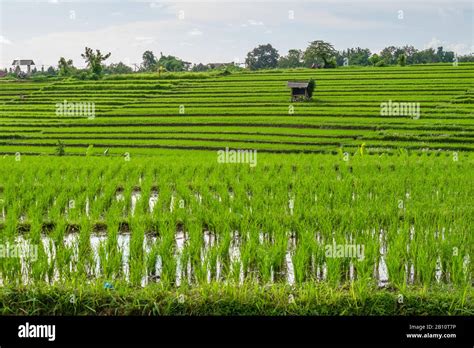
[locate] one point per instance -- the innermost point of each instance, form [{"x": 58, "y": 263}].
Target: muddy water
[
  {"x": 180, "y": 240},
  {"x": 382, "y": 271},
  {"x": 153, "y": 201},
  {"x": 96, "y": 240},
  {"x": 184, "y": 272},
  {"x": 136, "y": 196},
  {"x": 290, "y": 270},
  {"x": 234, "y": 255}
]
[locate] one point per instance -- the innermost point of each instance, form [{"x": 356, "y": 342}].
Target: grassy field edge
[{"x": 219, "y": 299}]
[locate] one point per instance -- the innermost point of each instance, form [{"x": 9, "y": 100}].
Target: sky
[{"x": 224, "y": 31}]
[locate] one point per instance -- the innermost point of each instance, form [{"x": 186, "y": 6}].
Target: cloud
[
  {"x": 458, "y": 48},
  {"x": 232, "y": 13},
  {"x": 126, "y": 40},
  {"x": 155, "y": 4},
  {"x": 369, "y": 24},
  {"x": 449, "y": 12},
  {"x": 434, "y": 43},
  {"x": 4, "y": 40},
  {"x": 170, "y": 36},
  {"x": 254, "y": 22},
  {"x": 145, "y": 40},
  {"x": 195, "y": 32}
]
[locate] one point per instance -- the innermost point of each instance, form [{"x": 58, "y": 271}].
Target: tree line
[
  {"x": 321, "y": 54},
  {"x": 318, "y": 54}
]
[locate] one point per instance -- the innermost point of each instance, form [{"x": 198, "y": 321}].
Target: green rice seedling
[
  {"x": 302, "y": 259},
  {"x": 224, "y": 235},
  {"x": 85, "y": 261},
  {"x": 136, "y": 259},
  {"x": 167, "y": 230},
  {"x": 396, "y": 257}
]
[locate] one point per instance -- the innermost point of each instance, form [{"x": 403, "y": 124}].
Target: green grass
[{"x": 218, "y": 299}]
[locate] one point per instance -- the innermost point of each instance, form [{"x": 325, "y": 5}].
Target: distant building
[
  {"x": 18, "y": 63},
  {"x": 219, "y": 65}
]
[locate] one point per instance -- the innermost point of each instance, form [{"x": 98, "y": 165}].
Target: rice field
[
  {"x": 140, "y": 113},
  {"x": 346, "y": 211}
]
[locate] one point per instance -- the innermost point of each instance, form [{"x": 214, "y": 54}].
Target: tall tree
[
  {"x": 65, "y": 67},
  {"x": 172, "y": 63},
  {"x": 119, "y": 68},
  {"x": 293, "y": 59},
  {"x": 94, "y": 60},
  {"x": 353, "y": 56},
  {"x": 319, "y": 52},
  {"x": 424, "y": 56},
  {"x": 200, "y": 67},
  {"x": 51, "y": 71},
  {"x": 444, "y": 56},
  {"x": 402, "y": 59},
  {"x": 262, "y": 57},
  {"x": 466, "y": 58},
  {"x": 409, "y": 52},
  {"x": 374, "y": 59},
  {"x": 149, "y": 61},
  {"x": 388, "y": 55}
]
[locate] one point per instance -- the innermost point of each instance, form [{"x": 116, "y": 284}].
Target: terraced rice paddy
[
  {"x": 140, "y": 113},
  {"x": 346, "y": 211}
]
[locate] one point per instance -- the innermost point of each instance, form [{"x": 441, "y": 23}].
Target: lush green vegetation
[
  {"x": 138, "y": 207},
  {"x": 224, "y": 299},
  {"x": 182, "y": 222},
  {"x": 141, "y": 112}
]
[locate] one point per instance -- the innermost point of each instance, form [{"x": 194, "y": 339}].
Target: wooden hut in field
[{"x": 299, "y": 90}]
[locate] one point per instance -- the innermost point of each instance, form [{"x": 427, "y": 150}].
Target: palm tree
[
  {"x": 161, "y": 69},
  {"x": 94, "y": 60}
]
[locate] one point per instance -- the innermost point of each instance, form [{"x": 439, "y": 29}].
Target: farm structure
[
  {"x": 299, "y": 90},
  {"x": 17, "y": 63}
]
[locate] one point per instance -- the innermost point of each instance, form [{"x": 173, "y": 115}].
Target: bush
[
  {"x": 39, "y": 78},
  {"x": 330, "y": 64},
  {"x": 374, "y": 59},
  {"x": 402, "y": 60},
  {"x": 311, "y": 86},
  {"x": 224, "y": 73},
  {"x": 86, "y": 75},
  {"x": 60, "y": 149},
  {"x": 82, "y": 75},
  {"x": 380, "y": 63}
]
